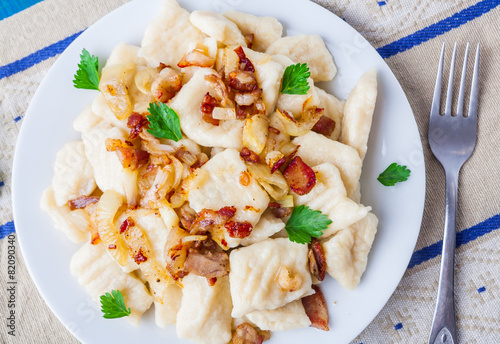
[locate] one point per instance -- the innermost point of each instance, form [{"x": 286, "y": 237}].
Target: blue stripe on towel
[
  {"x": 7, "y": 229},
  {"x": 463, "y": 237},
  {"x": 11, "y": 7},
  {"x": 37, "y": 57},
  {"x": 438, "y": 28}
]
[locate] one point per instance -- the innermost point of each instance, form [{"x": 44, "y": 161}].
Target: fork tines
[{"x": 435, "y": 110}]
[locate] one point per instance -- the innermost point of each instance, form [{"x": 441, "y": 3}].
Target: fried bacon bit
[
  {"x": 245, "y": 63},
  {"x": 300, "y": 176},
  {"x": 132, "y": 158},
  {"x": 140, "y": 257},
  {"x": 136, "y": 122},
  {"x": 316, "y": 310},
  {"x": 249, "y": 156},
  {"x": 207, "y": 218},
  {"x": 243, "y": 81},
  {"x": 211, "y": 281},
  {"x": 243, "y": 112},
  {"x": 238, "y": 230},
  {"x": 227, "y": 212},
  {"x": 112, "y": 247},
  {"x": 246, "y": 334},
  {"x": 317, "y": 260},
  {"x": 207, "y": 107},
  {"x": 279, "y": 211},
  {"x": 324, "y": 126},
  {"x": 126, "y": 224},
  {"x": 207, "y": 264},
  {"x": 129, "y": 157},
  {"x": 150, "y": 170},
  {"x": 278, "y": 164},
  {"x": 249, "y": 40},
  {"x": 82, "y": 202},
  {"x": 245, "y": 178}
]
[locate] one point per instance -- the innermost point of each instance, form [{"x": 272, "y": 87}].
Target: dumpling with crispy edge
[
  {"x": 169, "y": 36},
  {"x": 329, "y": 196},
  {"x": 310, "y": 49},
  {"x": 223, "y": 188},
  {"x": 266, "y": 30},
  {"x": 358, "y": 112},
  {"x": 254, "y": 271},
  {"x": 187, "y": 104},
  {"x": 316, "y": 149},
  {"x": 347, "y": 251},
  {"x": 73, "y": 174},
  {"x": 217, "y": 26},
  {"x": 288, "y": 317},
  {"x": 98, "y": 273},
  {"x": 205, "y": 313}
]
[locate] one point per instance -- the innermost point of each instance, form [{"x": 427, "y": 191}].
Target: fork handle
[{"x": 443, "y": 326}]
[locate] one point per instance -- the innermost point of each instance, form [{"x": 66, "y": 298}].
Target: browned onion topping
[{"x": 245, "y": 63}]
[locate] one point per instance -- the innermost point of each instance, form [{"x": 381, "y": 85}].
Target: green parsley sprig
[
  {"x": 87, "y": 75},
  {"x": 113, "y": 305},
  {"x": 164, "y": 122},
  {"x": 295, "y": 79},
  {"x": 305, "y": 224},
  {"x": 394, "y": 174}
]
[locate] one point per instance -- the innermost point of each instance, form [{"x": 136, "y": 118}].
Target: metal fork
[{"x": 452, "y": 140}]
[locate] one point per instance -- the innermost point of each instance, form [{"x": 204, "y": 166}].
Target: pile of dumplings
[{"x": 132, "y": 200}]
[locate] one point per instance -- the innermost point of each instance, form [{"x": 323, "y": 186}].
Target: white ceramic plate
[{"x": 394, "y": 138}]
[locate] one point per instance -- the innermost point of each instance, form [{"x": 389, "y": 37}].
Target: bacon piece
[
  {"x": 140, "y": 257},
  {"x": 82, "y": 202},
  {"x": 278, "y": 164},
  {"x": 279, "y": 211},
  {"x": 227, "y": 212},
  {"x": 317, "y": 260},
  {"x": 126, "y": 224},
  {"x": 245, "y": 63},
  {"x": 249, "y": 156},
  {"x": 112, "y": 247},
  {"x": 207, "y": 107},
  {"x": 273, "y": 130},
  {"x": 132, "y": 158},
  {"x": 300, "y": 176},
  {"x": 324, "y": 126},
  {"x": 207, "y": 264},
  {"x": 187, "y": 216},
  {"x": 136, "y": 122},
  {"x": 238, "y": 230},
  {"x": 316, "y": 310},
  {"x": 244, "y": 112},
  {"x": 246, "y": 334},
  {"x": 211, "y": 281}
]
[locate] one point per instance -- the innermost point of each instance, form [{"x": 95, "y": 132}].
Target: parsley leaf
[
  {"x": 87, "y": 75},
  {"x": 164, "y": 122},
  {"x": 295, "y": 79},
  {"x": 394, "y": 174},
  {"x": 305, "y": 223},
  {"x": 113, "y": 305}
]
